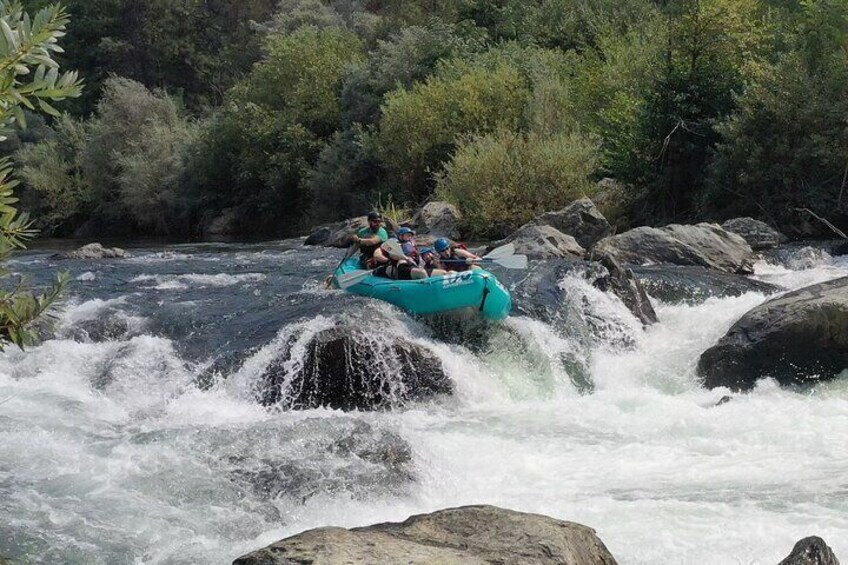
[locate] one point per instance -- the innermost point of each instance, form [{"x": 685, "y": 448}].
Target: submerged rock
[
  {"x": 470, "y": 534},
  {"x": 797, "y": 258},
  {"x": 674, "y": 284},
  {"x": 706, "y": 245},
  {"x": 349, "y": 369},
  {"x": 581, "y": 219},
  {"x": 543, "y": 242},
  {"x": 339, "y": 455},
  {"x": 810, "y": 551},
  {"x": 438, "y": 219},
  {"x": 800, "y": 337},
  {"x": 94, "y": 251},
  {"x": 759, "y": 235}
]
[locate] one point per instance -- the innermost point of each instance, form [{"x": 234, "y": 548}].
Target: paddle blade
[
  {"x": 394, "y": 249},
  {"x": 500, "y": 252},
  {"x": 347, "y": 280},
  {"x": 512, "y": 262}
]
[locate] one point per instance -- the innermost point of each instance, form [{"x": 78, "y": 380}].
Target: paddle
[
  {"x": 511, "y": 262},
  {"x": 503, "y": 256},
  {"x": 347, "y": 280}
]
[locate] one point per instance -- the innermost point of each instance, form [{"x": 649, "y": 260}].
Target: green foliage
[
  {"x": 29, "y": 78},
  {"x": 52, "y": 170},
  {"x": 501, "y": 181},
  {"x": 132, "y": 158},
  {"x": 301, "y": 76},
  {"x": 785, "y": 147},
  {"x": 421, "y": 126},
  {"x": 409, "y": 56}
]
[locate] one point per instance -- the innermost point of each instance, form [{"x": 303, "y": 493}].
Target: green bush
[
  {"x": 420, "y": 127},
  {"x": 501, "y": 181},
  {"x": 59, "y": 195}
]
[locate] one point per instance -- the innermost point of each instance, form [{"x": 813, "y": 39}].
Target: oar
[
  {"x": 503, "y": 256},
  {"x": 510, "y": 262},
  {"x": 347, "y": 280}
]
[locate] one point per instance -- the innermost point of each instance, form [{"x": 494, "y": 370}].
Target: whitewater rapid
[{"x": 117, "y": 446}]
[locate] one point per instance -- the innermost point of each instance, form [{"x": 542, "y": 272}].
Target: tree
[{"x": 29, "y": 78}]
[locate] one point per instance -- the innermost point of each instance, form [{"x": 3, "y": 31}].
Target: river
[{"x": 134, "y": 435}]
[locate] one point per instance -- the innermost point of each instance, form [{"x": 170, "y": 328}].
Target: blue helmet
[
  {"x": 441, "y": 244},
  {"x": 426, "y": 250},
  {"x": 404, "y": 231}
]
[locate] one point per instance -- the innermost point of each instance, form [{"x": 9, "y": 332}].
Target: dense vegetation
[{"x": 261, "y": 117}]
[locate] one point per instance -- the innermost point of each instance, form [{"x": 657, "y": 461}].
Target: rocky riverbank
[{"x": 470, "y": 535}]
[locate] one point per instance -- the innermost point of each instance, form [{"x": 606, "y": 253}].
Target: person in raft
[
  {"x": 369, "y": 239},
  {"x": 454, "y": 257},
  {"x": 403, "y": 266},
  {"x": 430, "y": 262}
]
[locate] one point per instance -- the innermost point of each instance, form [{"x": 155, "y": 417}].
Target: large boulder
[
  {"x": 473, "y": 535},
  {"x": 581, "y": 219},
  {"x": 800, "y": 337},
  {"x": 94, "y": 251},
  {"x": 675, "y": 284},
  {"x": 349, "y": 369},
  {"x": 438, "y": 219},
  {"x": 759, "y": 235},
  {"x": 543, "y": 242},
  {"x": 810, "y": 551},
  {"x": 707, "y": 245},
  {"x": 337, "y": 234}
]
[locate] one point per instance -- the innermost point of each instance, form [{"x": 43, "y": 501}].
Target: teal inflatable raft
[{"x": 476, "y": 289}]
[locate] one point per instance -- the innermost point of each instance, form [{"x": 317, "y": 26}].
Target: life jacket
[{"x": 454, "y": 263}]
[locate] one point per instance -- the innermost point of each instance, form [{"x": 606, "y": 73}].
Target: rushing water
[{"x": 134, "y": 435}]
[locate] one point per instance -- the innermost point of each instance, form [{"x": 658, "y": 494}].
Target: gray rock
[
  {"x": 759, "y": 235},
  {"x": 349, "y": 456},
  {"x": 800, "y": 337},
  {"x": 337, "y": 234},
  {"x": 581, "y": 220},
  {"x": 707, "y": 245},
  {"x": 438, "y": 219},
  {"x": 94, "y": 251},
  {"x": 623, "y": 284},
  {"x": 345, "y": 368},
  {"x": 472, "y": 535},
  {"x": 810, "y": 551},
  {"x": 675, "y": 284},
  {"x": 224, "y": 223},
  {"x": 797, "y": 258},
  {"x": 543, "y": 242}
]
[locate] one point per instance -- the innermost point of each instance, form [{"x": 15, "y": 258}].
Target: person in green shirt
[{"x": 370, "y": 238}]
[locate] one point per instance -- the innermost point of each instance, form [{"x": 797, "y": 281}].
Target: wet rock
[
  {"x": 316, "y": 456},
  {"x": 810, "y": 551},
  {"x": 224, "y": 223},
  {"x": 564, "y": 295},
  {"x": 475, "y": 535},
  {"x": 723, "y": 400},
  {"x": 581, "y": 220},
  {"x": 337, "y": 234},
  {"x": 94, "y": 251},
  {"x": 543, "y": 242},
  {"x": 621, "y": 282},
  {"x": 797, "y": 258},
  {"x": 759, "y": 235},
  {"x": 675, "y": 284},
  {"x": 706, "y": 245},
  {"x": 438, "y": 219},
  {"x": 798, "y": 338},
  {"x": 346, "y": 368}
]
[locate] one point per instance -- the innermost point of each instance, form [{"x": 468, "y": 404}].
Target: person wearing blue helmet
[
  {"x": 430, "y": 262},
  {"x": 454, "y": 257},
  {"x": 403, "y": 267}
]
